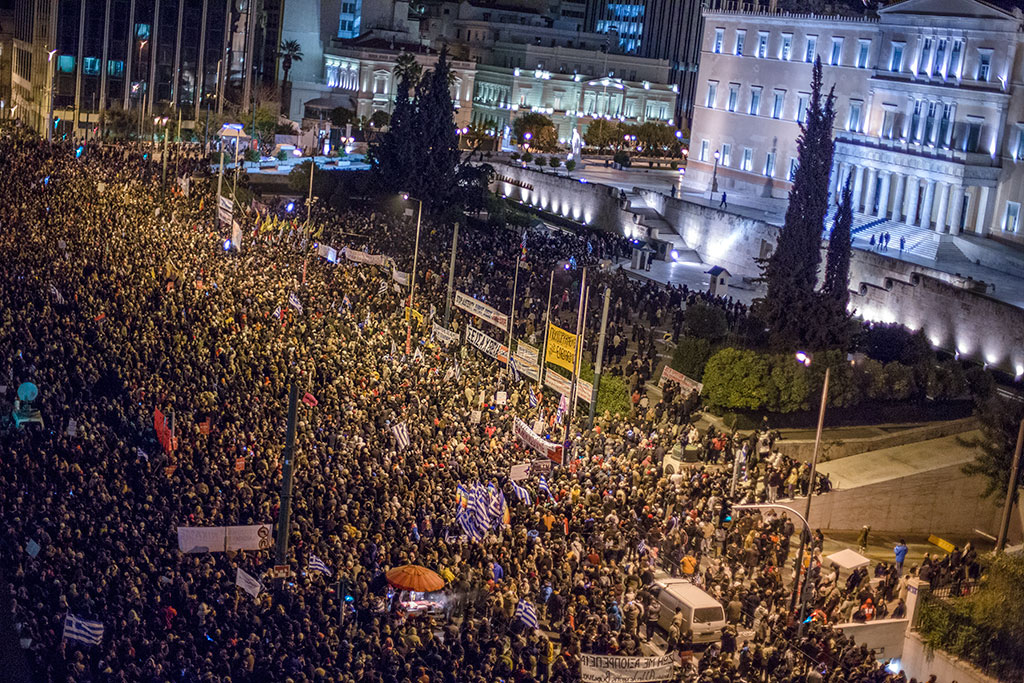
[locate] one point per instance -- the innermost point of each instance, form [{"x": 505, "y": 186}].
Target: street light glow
[{"x": 804, "y": 358}]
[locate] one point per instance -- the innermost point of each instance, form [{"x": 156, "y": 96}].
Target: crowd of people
[{"x": 119, "y": 298}]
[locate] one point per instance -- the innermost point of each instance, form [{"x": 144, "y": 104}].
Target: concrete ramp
[{"x": 914, "y": 489}]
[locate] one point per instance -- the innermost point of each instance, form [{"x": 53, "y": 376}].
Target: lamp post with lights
[
  {"x": 412, "y": 275},
  {"x": 714, "y": 178}
]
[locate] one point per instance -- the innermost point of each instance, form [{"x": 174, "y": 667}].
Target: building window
[
  {"x": 755, "y": 100},
  {"x": 836, "y": 55},
  {"x": 1019, "y": 154},
  {"x": 793, "y": 165},
  {"x": 91, "y": 66},
  {"x": 115, "y": 68},
  {"x": 740, "y": 37},
  {"x": 812, "y": 48},
  {"x": 712, "y": 94},
  {"x": 726, "y": 154},
  {"x": 802, "y": 102},
  {"x": 1012, "y": 218},
  {"x": 705, "y": 147},
  {"x": 778, "y": 103},
  {"x": 955, "y": 55},
  {"x": 984, "y": 64},
  {"x": 863, "y": 48},
  {"x": 762, "y": 45},
  {"x": 719, "y": 39},
  {"x": 973, "y": 138},
  {"x": 946, "y": 125},
  {"x": 853, "y": 122},
  {"x": 769, "y": 165},
  {"x": 940, "y": 56},
  {"x": 924, "y": 56},
  {"x": 915, "y": 122},
  {"x": 786, "y": 53},
  {"x": 888, "y": 124},
  {"x": 896, "y": 62},
  {"x": 66, "y": 63},
  {"x": 748, "y": 159},
  {"x": 734, "y": 96}
]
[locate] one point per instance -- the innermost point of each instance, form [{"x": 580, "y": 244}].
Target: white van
[{"x": 702, "y": 614}]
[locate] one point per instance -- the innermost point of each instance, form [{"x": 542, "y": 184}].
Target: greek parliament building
[{"x": 930, "y": 113}]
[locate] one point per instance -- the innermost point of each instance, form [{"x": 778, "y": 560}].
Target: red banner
[{"x": 163, "y": 432}]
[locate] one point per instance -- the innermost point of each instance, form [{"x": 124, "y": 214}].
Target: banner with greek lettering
[
  {"x": 218, "y": 539},
  {"x": 363, "y": 257},
  {"x": 225, "y": 207},
  {"x": 584, "y": 390},
  {"x": 613, "y": 669},
  {"x": 444, "y": 335},
  {"x": 531, "y": 370},
  {"x": 526, "y": 353},
  {"x": 481, "y": 310},
  {"x": 401, "y": 278},
  {"x": 557, "y": 383},
  {"x": 688, "y": 385},
  {"x": 561, "y": 347},
  {"x": 535, "y": 441},
  {"x": 492, "y": 347}
]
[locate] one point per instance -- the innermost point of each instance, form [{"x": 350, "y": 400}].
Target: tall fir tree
[
  {"x": 789, "y": 309},
  {"x": 437, "y": 141},
  {"x": 833, "y": 330},
  {"x": 392, "y": 155}
]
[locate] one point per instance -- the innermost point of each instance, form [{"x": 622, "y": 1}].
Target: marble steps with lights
[
  {"x": 921, "y": 243},
  {"x": 660, "y": 230}
]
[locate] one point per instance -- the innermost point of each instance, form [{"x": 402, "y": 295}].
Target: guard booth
[
  {"x": 642, "y": 256},
  {"x": 718, "y": 285}
]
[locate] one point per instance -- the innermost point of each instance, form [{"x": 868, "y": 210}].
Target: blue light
[
  {"x": 79, "y": 150},
  {"x": 290, "y": 207},
  {"x": 227, "y": 245},
  {"x": 46, "y": 180}
]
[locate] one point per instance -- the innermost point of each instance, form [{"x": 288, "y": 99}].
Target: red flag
[
  {"x": 239, "y": 464},
  {"x": 310, "y": 400}
]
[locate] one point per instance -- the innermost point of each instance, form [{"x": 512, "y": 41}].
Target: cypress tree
[
  {"x": 790, "y": 307},
  {"x": 392, "y": 155},
  {"x": 437, "y": 141},
  {"x": 837, "y": 257}
]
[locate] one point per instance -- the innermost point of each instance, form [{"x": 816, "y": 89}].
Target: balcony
[{"x": 955, "y": 156}]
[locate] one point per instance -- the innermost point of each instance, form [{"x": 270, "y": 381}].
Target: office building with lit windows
[
  {"x": 930, "y": 113},
  {"x": 146, "y": 57}
]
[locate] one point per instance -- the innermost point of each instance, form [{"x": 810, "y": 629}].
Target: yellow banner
[
  {"x": 561, "y": 347},
  {"x": 416, "y": 314}
]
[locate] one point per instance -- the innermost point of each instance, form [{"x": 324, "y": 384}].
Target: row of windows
[
  {"x": 723, "y": 157},
  {"x": 753, "y": 107},
  {"x": 936, "y": 57}
]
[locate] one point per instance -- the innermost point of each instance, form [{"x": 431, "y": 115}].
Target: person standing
[
  {"x": 862, "y": 539},
  {"x": 653, "y": 613},
  {"x": 900, "y": 551},
  {"x": 724, "y": 204}
]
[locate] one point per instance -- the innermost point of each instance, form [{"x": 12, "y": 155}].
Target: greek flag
[
  {"x": 543, "y": 486},
  {"x": 479, "y": 503},
  {"x": 641, "y": 548},
  {"x": 76, "y": 628},
  {"x": 277, "y": 313},
  {"x": 494, "y": 506},
  {"x": 526, "y": 613},
  {"x": 317, "y": 565},
  {"x": 345, "y": 302},
  {"x": 383, "y": 289},
  {"x": 521, "y": 493},
  {"x": 56, "y": 294},
  {"x": 293, "y": 301},
  {"x": 514, "y": 367},
  {"x": 394, "y": 349},
  {"x": 533, "y": 398},
  {"x": 401, "y": 433}
]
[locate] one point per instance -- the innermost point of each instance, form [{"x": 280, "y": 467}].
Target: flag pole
[
  {"x": 579, "y": 351},
  {"x": 512, "y": 315},
  {"x": 285, "y": 513},
  {"x": 547, "y": 329},
  {"x": 451, "y": 278},
  {"x": 599, "y": 361},
  {"x": 576, "y": 355}
]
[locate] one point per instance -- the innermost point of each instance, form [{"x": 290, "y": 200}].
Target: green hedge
[
  {"x": 741, "y": 379},
  {"x": 613, "y": 394}
]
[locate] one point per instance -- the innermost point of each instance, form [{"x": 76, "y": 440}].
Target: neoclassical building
[{"x": 930, "y": 111}]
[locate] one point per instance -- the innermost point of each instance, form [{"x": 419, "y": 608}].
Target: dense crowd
[{"x": 118, "y": 298}]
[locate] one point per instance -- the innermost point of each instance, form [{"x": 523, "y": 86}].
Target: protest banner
[
  {"x": 557, "y": 383},
  {"x": 218, "y": 539},
  {"x": 614, "y": 669},
  {"x": 584, "y": 390},
  {"x": 363, "y": 257},
  {"x": 519, "y": 472},
  {"x": 492, "y": 347},
  {"x": 481, "y": 310},
  {"x": 538, "y": 443},
  {"x": 444, "y": 335},
  {"x": 526, "y": 354},
  {"x": 225, "y": 208},
  {"x": 561, "y": 347},
  {"x": 688, "y": 385}
]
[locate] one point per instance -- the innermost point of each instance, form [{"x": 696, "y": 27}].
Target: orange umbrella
[{"x": 413, "y": 577}]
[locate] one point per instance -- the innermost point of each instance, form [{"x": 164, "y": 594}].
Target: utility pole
[
  {"x": 600, "y": 357},
  {"x": 1004, "y": 525},
  {"x": 284, "y": 515},
  {"x": 451, "y": 277},
  {"x": 163, "y": 173}
]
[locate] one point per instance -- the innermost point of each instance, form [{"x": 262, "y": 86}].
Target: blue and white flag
[
  {"x": 533, "y": 398},
  {"x": 641, "y": 548},
  {"x": 521, "y": 493},
  {"x": 401, "y": 433},
  {"x": 590, "y": 247},
  {"x": 514, "y": 367},
  {"x": 56, "y": 294},
  {"x": 383, "y": 289},
  {"x": 493, "y": 505},
  {"x": 317, "y": 565},
  {"x": 479, "y": 509},
  {"x": 277, "y": 313},
  {"x": 76, "y": 628},
  {"x": 543, "y": 486},
  {"x": 346, "y": 302},
  {"x": 293, "y": 301},
  {"x": 526, "y": 613}
]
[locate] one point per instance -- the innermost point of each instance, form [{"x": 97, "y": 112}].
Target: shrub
[
  {"x": 527, "y": 157},
  {"x": 980, "y": 382},
  {"x": 705, "y": 322},
  {"x": 252, "y": 155},
  {"x": 621, "y": 158},
  {"x": 736, "y": 378},
  {"x": 899, "y": 381},
  {"x": 613, "y": 394},
  {"x": 674, "y": 165},
  {"x": 540, "y": 160},
  {"x": 554, "y": 162},
  {"x": 946, "y": 380},
  {"x": 690, "y": 356},
  {"x": 570, "y": 165},
  {"x": 514, "y": 156},
  {"x": 887, "y": 343},
  {"x": 282, "y": 155}
]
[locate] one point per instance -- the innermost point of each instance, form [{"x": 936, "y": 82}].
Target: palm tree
[
  {"x": 408, "y": 70},
  {"x": 289, "y": 51}
]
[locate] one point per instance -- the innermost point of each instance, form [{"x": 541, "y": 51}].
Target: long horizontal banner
[
  {"x": 531, "y": 370},
  {"x": 526, "y": 354},
  {"x": 218, "y": 539},
  {"x": 400, "y": 277},
  {"x": 492, "y": 347},
  {"x": 613, "y": 669},
  {"x": 481, "y": 310},
  {"x": 537, "y": 442},
  {"x": 225, "y": 207},
  {"x": 670, "y": 375},
  {"x": 363, "y": 257},
  {"x": 584, "y": 390},
  {"x": 557, "y": 383},
  {"x": 444, "y": 335},
  {"x": 561, "y": 347}
]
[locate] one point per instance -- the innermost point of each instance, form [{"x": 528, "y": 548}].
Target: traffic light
[{"x": 725, "y": 513}]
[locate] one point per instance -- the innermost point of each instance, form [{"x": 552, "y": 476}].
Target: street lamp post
[
  {"x": 142, "y": 101},
  {"x": 49, "y": 98},
  {"x": 714, "y": 179},
  {"x": 412, "y": 275}
]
